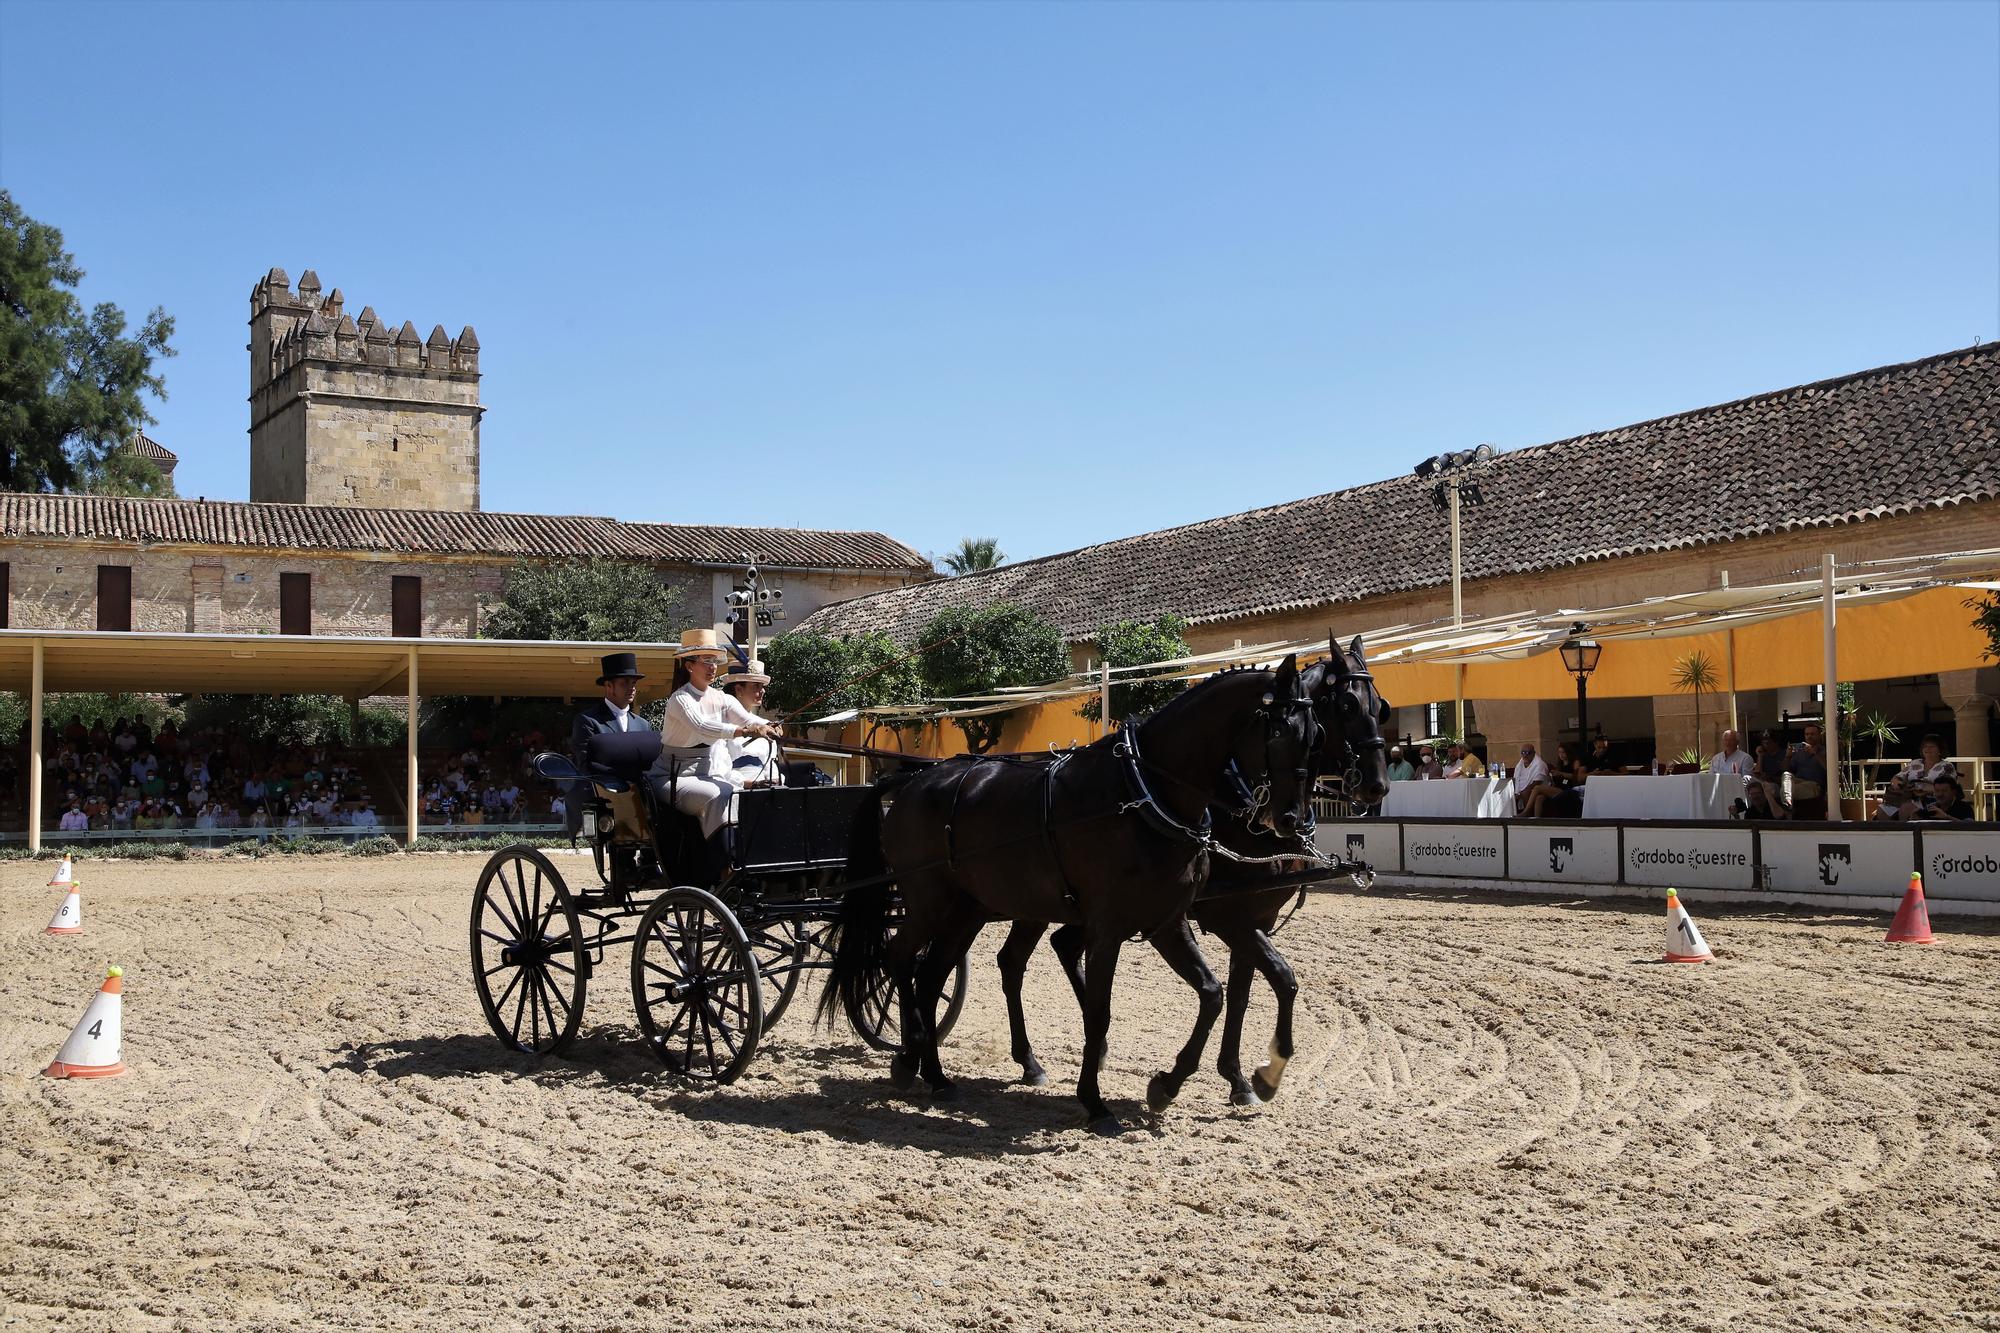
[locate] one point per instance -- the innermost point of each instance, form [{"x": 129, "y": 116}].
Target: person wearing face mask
[
  {"x": 693, "y": 772},
  {"x": 753, "y": 760},
  {"x": 619, "y": 675}
]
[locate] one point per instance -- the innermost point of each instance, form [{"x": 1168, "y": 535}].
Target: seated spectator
[
  {"x": 259, "y": 818},
  {"x": 366, "y": 818},
  {"x": 153, "y": 787},
  {"x": 1464, "y": 764},
  {"x": 1929, "y": 765},
  {"x": 558, "y": 811},
  {"x": 1807, "y": 766},
  {"x": 1428, "y": 766},
  {"x": 144, "y": 766},
  {"x": 1531, "y": 770},
  {"x": 74, "y": 820},
  {"x": 1546, "y": 796},
  {"x": 473, "y": 813},
  {"x": 227, "y": 816},
  {"x": 1899, "y": 802},
  {"x": 1947, "y": 801},
  {"x": 253, "y": 790},
  {"x": 122, "y": 812},
  {"x": 205, "y": 817},
  {"x": 1731, "y": 760},
  {"x": 1400, "y": 769}
]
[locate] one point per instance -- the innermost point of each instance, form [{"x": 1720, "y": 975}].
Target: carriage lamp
[{"x": 1580, "y": 656}]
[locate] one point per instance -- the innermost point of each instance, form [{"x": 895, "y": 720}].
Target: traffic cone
[
  {"x": 65, "y": 875},
  {"x": 1913, "y": 919},
  {"x": 68, "y": 919},
  {"x": 97, "y": 1039},
  {"x": 1684, "y": 941}
]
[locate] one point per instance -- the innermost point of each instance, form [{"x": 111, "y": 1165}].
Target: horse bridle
[
  {"x": 1253, "y": 798},
  {"x": 1352, "y": 751}
]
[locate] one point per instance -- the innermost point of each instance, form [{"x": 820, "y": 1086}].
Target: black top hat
[{"x": 616, "y": 665}]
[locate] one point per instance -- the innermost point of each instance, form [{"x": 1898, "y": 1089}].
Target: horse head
[
  {"x": 1272, "y": 756},
  {"x": 1353, "y": 714}
]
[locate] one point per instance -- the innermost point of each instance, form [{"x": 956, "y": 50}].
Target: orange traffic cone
[
  {"x": 98, "y": 1038},
  {"x": 65, "y": 875},
  {"x": 68, "y": 919},
  {"x": 1913, "y": 919},
  {"x": 1684, "y": 941}
]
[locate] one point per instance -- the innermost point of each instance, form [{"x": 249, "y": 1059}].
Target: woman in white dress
[
  {"x": 693, "y": 770},
  {"x": 753, "y": 760}
]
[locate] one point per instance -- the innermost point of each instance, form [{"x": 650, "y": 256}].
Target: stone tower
[{"x": 348, "y": 411}]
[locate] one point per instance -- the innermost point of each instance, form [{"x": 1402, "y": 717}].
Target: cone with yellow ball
[{"x": 98, "y": 1039}]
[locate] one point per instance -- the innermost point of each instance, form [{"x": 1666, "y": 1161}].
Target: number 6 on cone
[{"x": 98, "y": 1039}]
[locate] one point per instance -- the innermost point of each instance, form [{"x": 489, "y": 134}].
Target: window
[
  {"x": 295, "y": 604},
  {"x": 406, "y": 609},
  {"x": 114, "y": 597}
]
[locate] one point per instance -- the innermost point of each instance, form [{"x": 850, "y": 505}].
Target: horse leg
[
  {"x": 927, "y": 904},
  {"x": 947, "y": 949},
  {"x": 1069, "y": 944},
  {"x": 1183, "y": 955},
  {"x": 1014, "y": 956},
  {"x": 1098, "y": 971},
  {"x": 1286, "y": 986},
  {"x": 1229, "y": 1061}
]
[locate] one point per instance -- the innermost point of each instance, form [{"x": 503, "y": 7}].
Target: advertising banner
[
  {"x": 1562, "y": 853},
  {"x": 1859, "y": 860},
  {"x": 1376, "y": 841},
  {"x": 1470, "y": 851},
  {"x": 1711, "y": 856},
  {"x": 1962, "y": 863}
]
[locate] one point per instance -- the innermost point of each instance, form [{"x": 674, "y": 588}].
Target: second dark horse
[{"x": 1112, "y": 838}]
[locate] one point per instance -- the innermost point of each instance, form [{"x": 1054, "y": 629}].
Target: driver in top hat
[{"x": 619, "y": 674}]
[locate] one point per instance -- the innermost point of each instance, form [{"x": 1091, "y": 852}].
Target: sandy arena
[{"x": 1499, "y": 1117}]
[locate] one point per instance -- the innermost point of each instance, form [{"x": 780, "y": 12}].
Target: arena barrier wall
[{"x": 1817, "y": 864}]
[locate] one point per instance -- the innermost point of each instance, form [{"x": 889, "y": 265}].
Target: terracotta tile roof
[
  {"x": 147, "y": 447},
  {"x": 29, "y": 517},
  {"x": 1922, "y": 435}
]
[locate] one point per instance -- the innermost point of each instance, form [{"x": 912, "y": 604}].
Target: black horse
[
  {"x": 1112, "y": 838},
  {"x": 1350, "y": 714}
]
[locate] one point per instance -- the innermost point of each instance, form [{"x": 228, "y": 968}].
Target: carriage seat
[{"x": 617, "y": 759}]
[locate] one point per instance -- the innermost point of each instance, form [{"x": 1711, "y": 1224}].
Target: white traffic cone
[
  {"x": 1684, "y": 941},
  {"x": 65, "y": 875},
  {"x": 68, "y": 919},
  {"x": 98, "y": 1038}
]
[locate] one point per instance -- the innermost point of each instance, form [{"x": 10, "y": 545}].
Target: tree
[
  {"x": 595, "y": 601},
  {"x": 819, "y": 674},
  {"x": 1987, "y": 622},
  {"x": 294, "y": 719},
  {"x": 71, "y": 382},
  {"x": 1695, "y": 672},
  {"x": 123, "y": 472},
  {"x": 977, "y": 650},
  {"x": 1134, "y": 643},
  {"x": 974, "y": 554}
]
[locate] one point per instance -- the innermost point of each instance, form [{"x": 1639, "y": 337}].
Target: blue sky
[{"x": 1050, "y": 273}]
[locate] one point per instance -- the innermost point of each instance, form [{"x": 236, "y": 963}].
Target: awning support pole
[
  {"x": 1830, "y": 719},
  {"x": 34, "y": 775},
  {"x": 410, "y": 745},
  {"x": 1729, "y": 670},
  {"x": 1104, "y": 699}
]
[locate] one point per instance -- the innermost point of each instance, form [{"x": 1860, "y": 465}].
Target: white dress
[{"x": 696, "y": 731}]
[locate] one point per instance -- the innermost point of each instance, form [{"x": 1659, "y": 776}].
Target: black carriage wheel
[
  {"x": 880, "y": 1020},
  {"x": 695, "y": 986},
  {"x": 781, "y": 949},
  {"x": 527, "y": 952}
]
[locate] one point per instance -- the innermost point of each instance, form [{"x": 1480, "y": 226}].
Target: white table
[
  {"x": 1677, "y": 796},
  {"x": 1452, "y": 798}
]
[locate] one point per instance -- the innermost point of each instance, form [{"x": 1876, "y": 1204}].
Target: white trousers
[{"x": 711, "y": 801}]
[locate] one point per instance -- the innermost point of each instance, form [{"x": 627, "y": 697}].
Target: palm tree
[
  {"x": 1695, "y": 672},
  {"x": 974, "y": 554}
]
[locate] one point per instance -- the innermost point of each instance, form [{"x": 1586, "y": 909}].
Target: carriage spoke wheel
[
  {"x": 527, "y": 952},
  {"x": 879, "y": 1017},
  {"x": 780, "y": 947},
  {"x": 695, "y": 986}
]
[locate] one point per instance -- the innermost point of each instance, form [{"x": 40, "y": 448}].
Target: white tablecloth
[
  {"x": 1452, "y": 798},
  {"x": 1680, "y": 796}
]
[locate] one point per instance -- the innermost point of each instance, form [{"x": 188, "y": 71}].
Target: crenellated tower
[{"x": 349, "y": 411}]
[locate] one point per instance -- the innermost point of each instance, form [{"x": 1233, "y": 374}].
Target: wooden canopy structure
[{"x": 38, "y": 662}]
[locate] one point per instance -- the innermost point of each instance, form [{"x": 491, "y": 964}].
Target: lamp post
[
  {"x": 1452, "y": 490},
  {"x": 1580, "y": 657}
]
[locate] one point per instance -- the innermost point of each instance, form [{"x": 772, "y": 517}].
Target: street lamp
[
  {"x": 1580, "y": 657},
  {"x": 1452, "y": 489}
]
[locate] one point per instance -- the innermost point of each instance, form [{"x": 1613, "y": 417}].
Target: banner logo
[
  {"x": 1834, "y": 857},
  {"x": 1560, "y": 851}
]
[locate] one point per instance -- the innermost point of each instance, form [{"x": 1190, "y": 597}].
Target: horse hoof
[
  {"x": 902, "y": 1072},
  {"x": 1160, "y": 1093},
  {"x": 1265, "y": 1091},
  {"x": 1241, "y": 1095},
  {"x": 946, "y": 1091},
  {"x": 1035, "y": 1076},
  {"x": 1107, "y": 1126}
]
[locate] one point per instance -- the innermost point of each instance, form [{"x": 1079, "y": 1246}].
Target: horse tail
[{"x": 860, "y": 935}]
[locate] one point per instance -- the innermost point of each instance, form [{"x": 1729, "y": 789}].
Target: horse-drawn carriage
[{"x": 717, "y": 951}]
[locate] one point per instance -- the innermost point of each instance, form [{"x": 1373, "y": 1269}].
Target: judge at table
[{"x": 1730, "y": 759}]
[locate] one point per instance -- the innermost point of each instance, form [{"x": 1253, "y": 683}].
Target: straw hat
[
  {"x": 700, "y": 643},
  {"x": 745, "y": 673}
]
